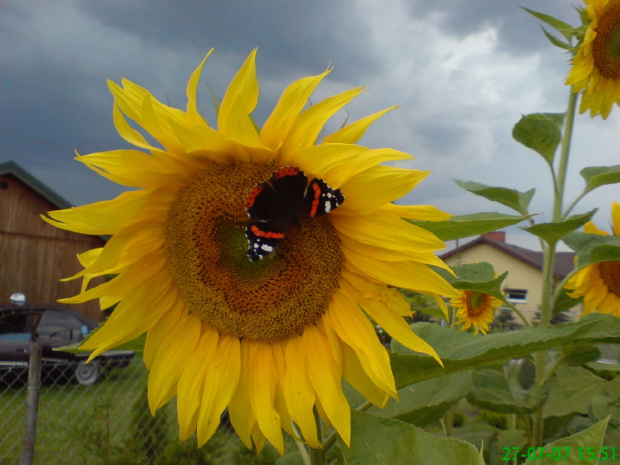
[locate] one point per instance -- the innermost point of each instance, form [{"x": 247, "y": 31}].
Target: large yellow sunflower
[
  {"x": 475, "y": 309},
  {"x": 599, "y": 284},
  {"x": 270, "y": 338},
  {"x": 596, "y": 65}
]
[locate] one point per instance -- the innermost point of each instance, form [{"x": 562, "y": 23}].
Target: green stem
[
  {"x": 518, "y": 312},
  {"x": 318, "y": 456},
  {"x": 549, "y": 255}
]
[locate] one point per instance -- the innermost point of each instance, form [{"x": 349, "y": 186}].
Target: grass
[{"x": 109, "y": 423}]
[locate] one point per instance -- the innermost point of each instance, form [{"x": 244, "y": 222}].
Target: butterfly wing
[{"x": 321, "y": 199}]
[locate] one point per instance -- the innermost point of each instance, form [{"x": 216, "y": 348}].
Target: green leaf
[
  {"x": 492, "y": 392},
  {"x": 597, "y": 176},
  {"x": 553, "y": 232},
  {"x": 578, "y": 354},
  {"x": 477, "y": 277},
  {"x": 425, "y": 402},
  {"x": 475, "y": 224},
  {"x": 569, "y": 448},
  {"x": 540, "y": 132},
  {"x": 557, "y": 42},
  {"x": 593, "y": 248},
  {"x": 572, "y": 391},
  {"x": 460, "y": 351},
  {"x": 563, "y": 28},
  {"x": 512, "y": 198},
  {"x": 381, "y": 441},
  {"x": 292, "y": 458},
  {"x": 564, "y": 302}
]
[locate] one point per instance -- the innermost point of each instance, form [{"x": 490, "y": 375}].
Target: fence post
[{"x": 32, "y": 404}]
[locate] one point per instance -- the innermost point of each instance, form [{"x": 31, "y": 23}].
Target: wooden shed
[{"x": 34, "y": 255}]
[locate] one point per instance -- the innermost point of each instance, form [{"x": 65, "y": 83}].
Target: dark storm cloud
[
  {"x": 295, "y": 37},
  {"x": 518, "y": 32}
]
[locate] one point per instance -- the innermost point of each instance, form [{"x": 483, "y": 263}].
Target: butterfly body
[{"x": 275, "y": 205}]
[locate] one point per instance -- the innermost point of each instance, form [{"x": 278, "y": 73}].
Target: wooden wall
[{"x": 34, "y": 256}]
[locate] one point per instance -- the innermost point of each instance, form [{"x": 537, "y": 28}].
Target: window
[
  {"x": 516, "y": 295},
  {"x": 16, "y": 326},
  {"x": 60, "y": 326}
]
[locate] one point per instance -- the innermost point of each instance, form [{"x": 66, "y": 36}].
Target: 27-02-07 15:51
[{"x": 561, "y": 453}]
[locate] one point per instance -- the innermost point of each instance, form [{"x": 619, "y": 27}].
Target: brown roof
[{"x": 564, "y": 263}]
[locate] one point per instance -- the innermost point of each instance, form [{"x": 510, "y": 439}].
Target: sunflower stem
[
  {"x": 549, "y": 257},
  {"x": 318, "y": 456},
  {"x": 512, "y": 307}
]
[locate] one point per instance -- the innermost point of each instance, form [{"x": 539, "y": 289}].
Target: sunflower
[
  {"x": 599, "y": 283},
  {"x": 596, "y": 65},
  {"x": 475, "y": 309},
  {"x": 268, "y": 333}
]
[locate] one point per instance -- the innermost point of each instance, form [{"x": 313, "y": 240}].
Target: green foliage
[
  {"x": 593, "y": 248},
  {"x": 149, "y": 432},
  {"x": 589, "y": 440},
  {"x": 382, "y": 440},
  {"x": 492, "y": 392},
  {"x": 553, "y": 232},
  {"x": 573, "y": 389},
  {"x": 540, "y": 132},
  {"x": 597, "y": 176},
  {"x": 427, "y": 401},
  {"x": 478, "y": 277},
  {"x": 461, "y": 351},
  {"x": 462, "y": 226},
  {"x": 511, "y": 198}
]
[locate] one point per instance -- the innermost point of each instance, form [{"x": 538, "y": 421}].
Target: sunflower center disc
[
  {"x": 267, "y": 300},
  {"x": 606, "y": 44},
  {"x": 610, "y": 274}
]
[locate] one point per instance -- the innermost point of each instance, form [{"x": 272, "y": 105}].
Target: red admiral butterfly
[{"x": 275, "y": 205}]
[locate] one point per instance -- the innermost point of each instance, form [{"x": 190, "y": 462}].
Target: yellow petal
[
  {"x": 353, "y": 132},
  {"x": 394, "y": 324},
  {"x": 127, "y": 132},
  {"x": 136, "y": 169},
  {"x": 387, "y": 183},
  {"x": 326, "y": 378},
  {"x": 356, "y": 376},
  {"x": 191, "y": 382},
  {"x": 264, "y": 380},
  {"x": 298, "y": 392},
  {"x": 171, "y": 359},
  {"x": 309, "y": 124},
  {"x": 405, "y": 274},
  {"x": 160, "y": 329},
  {"x": 222, "y": 377},
  {"x": 348, "y": 321},
  {"x": 100, "y": 218},
  {"x": 193, "y": 117},
  {"x": 134, "y": 315},
  {"x": 615, "y": 217},
  {"x": 239, "y": 101},
  {"x": 385, "y": 230},
  {"x": 417, "y": 212},
  {"x": 293, "y": 100},
  {"x": 242, "y": 416}
]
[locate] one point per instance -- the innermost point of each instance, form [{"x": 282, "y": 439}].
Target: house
[
  {"x": 523, "y": 285},
  {"x": 34, "y": 255}
]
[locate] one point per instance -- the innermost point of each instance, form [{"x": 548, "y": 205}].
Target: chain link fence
[{"x": 107, "y": 423}]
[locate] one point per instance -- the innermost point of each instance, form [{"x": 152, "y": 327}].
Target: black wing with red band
[{"x": 276, "y": 205}]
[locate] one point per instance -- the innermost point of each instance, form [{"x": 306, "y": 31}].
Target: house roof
[
  {"x": 13, "y": 169},
  {"x": 564, "y": 263}
]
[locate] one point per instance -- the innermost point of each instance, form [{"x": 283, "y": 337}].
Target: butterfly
[{"x": 275, "y": 205}]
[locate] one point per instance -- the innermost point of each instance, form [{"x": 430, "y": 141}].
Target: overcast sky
[{"x": 461, "y": 71}]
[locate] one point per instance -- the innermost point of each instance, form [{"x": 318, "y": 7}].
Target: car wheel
[{"x": 87, "y": 374}]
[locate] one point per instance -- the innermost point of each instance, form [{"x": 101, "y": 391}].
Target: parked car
[{"x": 52, "y": 327}]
